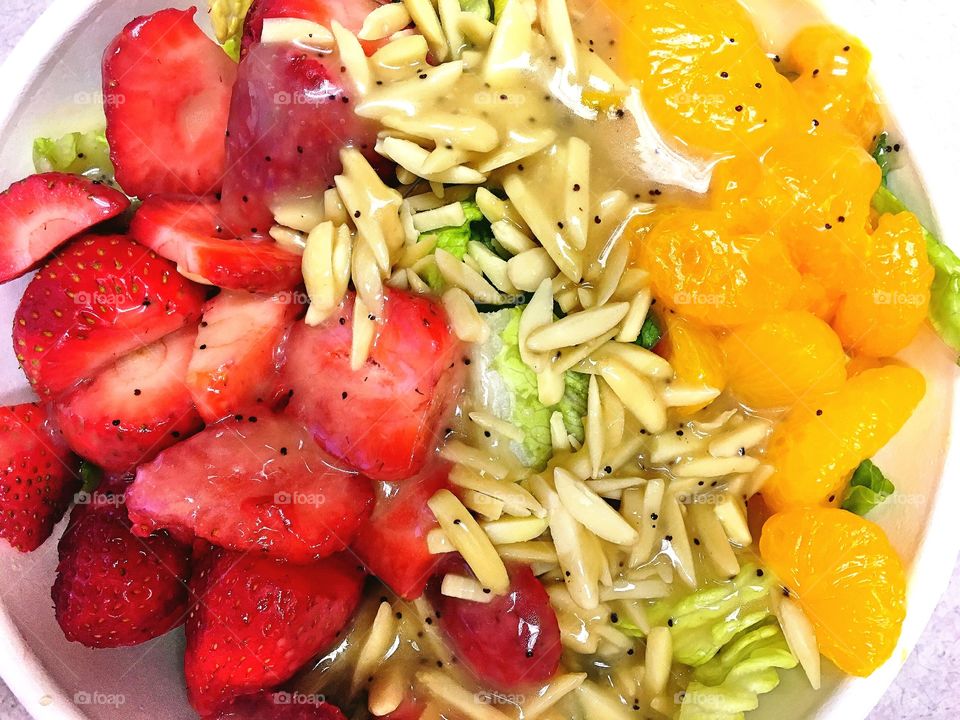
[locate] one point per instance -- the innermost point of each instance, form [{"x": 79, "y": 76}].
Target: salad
[{"x": 472, "y": 359}]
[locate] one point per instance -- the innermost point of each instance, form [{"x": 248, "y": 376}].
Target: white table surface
[{"x": 927, "y": 689}]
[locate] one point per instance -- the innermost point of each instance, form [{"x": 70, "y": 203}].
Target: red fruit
[
  {"x": 114, "y": 589},
  {"x": 234, "y": 364},
  {"x": 349, "y": 14},
  {"x": 167, "y": 90},
  {"x": 258, "y": 621},
  {"x": 257, "y": 483},
  {"x": 39, "y": 214},
  {"x": 292, "y": 113},
  {"x": 509, "y": 643},
  {"x": 101, "y": 298},
  {"x": 280, "y": 706},
  {"x": 385, "y": 419},
  {"x": 393, "y": 542},
  {"x": 38, "y": 478},
  {"x": 135, "y": 408},
  {"x": 189, "y": 233}
]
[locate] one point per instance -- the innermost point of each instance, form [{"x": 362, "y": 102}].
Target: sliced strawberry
[
  {"x": 39, "y": 214},
  {"x": 114, "y": 589},
  {"x": 349, "y": 14},
  {"x": 38, "y": 476},
  {"x": 393, "y": 542},
  {"x": 254, "y": 483},
  {"x": 234, "y": 364},
  {"x": 258, "y": 620},
  {"x": 280, "y": 706},
  {"x": 135, "y": 408},
  {"x": 167, "y": 90},
  {"x": 385, "y": 419},
  {"x": 509, "y": 643},
  {"x": 292, "y": 113},
  {"x": 103, "y": 297},
  {"x": 189, "y": 233}
]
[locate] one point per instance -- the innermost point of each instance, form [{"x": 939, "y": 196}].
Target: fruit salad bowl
[{"x": 50, "y": 85}]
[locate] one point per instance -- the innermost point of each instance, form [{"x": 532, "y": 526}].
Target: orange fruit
[
  {"x": 832, "y": 84},
  {"x": 846, "y": 576},
  {"x": 816, "y": 447},
  {"x": 702, "y": 267},
  {"x": 783, "y": 359},
  {"x": 704, "y": 78},
  {"x": 888, "y": 293},
  {"x": 817, "y": 191},
  {"x": 694, "y": 353}
]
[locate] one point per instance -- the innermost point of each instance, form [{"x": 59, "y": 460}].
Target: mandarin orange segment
[
  {"x": 694, "y": 353},
  {"x": 847, "y": 578},
  {"x": 704, "y": 77},
  {"x": 703, "y": 268},
  {"x": 816, "y": 447},
  {"x": 832, "y": 83},
  {"x": 888, "y": 295},
  {"x": 783, "y": 359}
]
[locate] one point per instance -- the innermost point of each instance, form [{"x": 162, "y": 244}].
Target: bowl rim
[{"x": 938, "y": 546}]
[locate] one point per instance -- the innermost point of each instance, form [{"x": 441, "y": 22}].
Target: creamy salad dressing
[{"x": 628, "y": 156}]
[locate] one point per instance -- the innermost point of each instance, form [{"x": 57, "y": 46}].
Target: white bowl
[{"x": 50, "y": 85}]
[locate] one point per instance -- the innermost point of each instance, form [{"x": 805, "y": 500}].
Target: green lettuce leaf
[
  {"x": 498, "y": 6},
  {"x": 528, "y": 413},
  {"x": 703, "y": 622},
  {"x": 480, "y": 7},
  {"x": 868, "y": 488},
  {"x": 77, "y": 153},
  {"x": 883, "y": 154},
  {"x": 456, "y": 239},
  {"x": 227, "y": 17},
  {"x": 650, "y": 333},
  {"x": 728, "y": 686},
  {"x": 945, "y": 291}
]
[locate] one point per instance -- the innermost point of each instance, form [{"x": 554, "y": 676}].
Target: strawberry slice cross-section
[
  {"x": 167, "y": 89},
  {"x": 101, "y": 298},
  {"x": 135, "y": 408},
  {"x": 255, "y": 482},
  {"x": 234, "y": 362},
  {"x": 42, "y": 212},
  {"x": 190, "y": 233}
]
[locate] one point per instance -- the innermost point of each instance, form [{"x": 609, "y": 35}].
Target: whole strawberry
[
  {"x": 38, "y": 476},
  {"x": 257, "y": 621},
  {"x": 114, "y": 589}
]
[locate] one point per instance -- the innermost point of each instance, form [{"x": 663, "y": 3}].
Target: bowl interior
[{"x": 52, "y": 87}]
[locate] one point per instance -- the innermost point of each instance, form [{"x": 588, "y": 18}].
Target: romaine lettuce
[
  {"x": 703, "y": 622},
  {"x": 77, "y": 153},
  {"x": 729, "y": 685},
  {"x": 522, "y": 407},
  {"x": 945, "y": 291}
]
